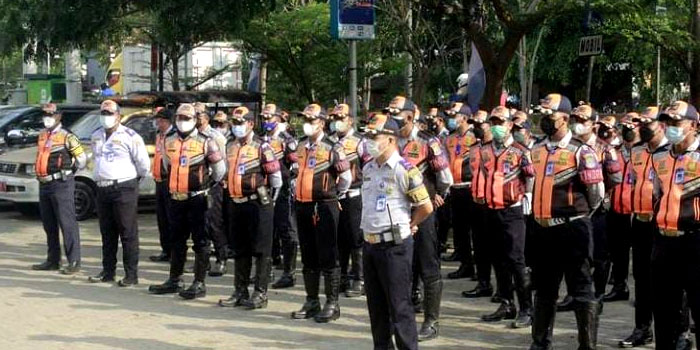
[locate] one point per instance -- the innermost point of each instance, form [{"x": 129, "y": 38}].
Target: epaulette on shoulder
[
  {"x": 405, "y": 164},
  {"x": 129, "y": 131}
]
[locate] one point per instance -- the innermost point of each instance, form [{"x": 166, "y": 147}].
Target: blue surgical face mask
[
  {"x": 452, "y": 124},
  {"x": 269, "y": 126},
  {"x": 239, "y": 130},
  {"x": 675, "y": 134}
]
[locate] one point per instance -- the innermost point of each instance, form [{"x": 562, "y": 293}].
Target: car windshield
[
  {"x": 86, "y": 125},
  {"x": 8, "y": 114}
]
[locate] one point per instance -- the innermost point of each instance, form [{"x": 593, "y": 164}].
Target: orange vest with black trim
[
  {"x": 623, "y": 193},
  {"x": 157, "y": 168},
  {"x": 458, "y": 153},
  {"x": 188, "y": 169},
  {"x": 53, "y": 155},
  {"x": 478, "y": 180},
  {"x": 503, "y": 185},
  {"x": 679, "y": 176},
  {"x": 558, "y": 191},
  {"x": 245, "y": 173},
  {"x": 643, "y": 175},
  {"x": 316, "y": 179},
  {"x": 417, "y": 151}
]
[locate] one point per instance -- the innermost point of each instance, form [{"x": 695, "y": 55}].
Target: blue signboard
[{"x": 352, "y": 19}]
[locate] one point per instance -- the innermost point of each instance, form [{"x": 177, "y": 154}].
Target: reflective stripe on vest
[
  {"x": 555, "y": 193},
  {"x": 623, "y": 193},
  {"x": 504, "y": 186},
  {"x": 679, "y": 207},
  {"x": 52, "y": 155},
  {"x": 315, "y": 181},
  {"x": 187, "y": 162},
  {"x": 244, "y": 169},
  {"x": 642, "y": 173},
  {"x": 458, "y": 152},
  {"x": 478, "y": 181},
  {"x": 158, "y": 157}
]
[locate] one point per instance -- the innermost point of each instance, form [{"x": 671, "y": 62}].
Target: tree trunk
[
  {"x": 494, "y": 85},
  {"x": 695, "y": 61},
  {"x": 522, "y": 63},
  {"x": 421, "y": 81},
  {"x": 175, "y": 77}
]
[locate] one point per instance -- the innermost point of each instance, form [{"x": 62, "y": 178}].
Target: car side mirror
[{"x": 14, "y": 133}]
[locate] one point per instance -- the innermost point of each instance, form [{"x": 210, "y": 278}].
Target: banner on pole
[{"x": 352, "y": 19}]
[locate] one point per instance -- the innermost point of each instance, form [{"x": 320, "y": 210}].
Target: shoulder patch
[{"x": 129, "y": 131}]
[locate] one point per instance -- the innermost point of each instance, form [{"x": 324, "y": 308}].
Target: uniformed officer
[
  {"x": 568, "y": 187},
  {"x": 436, "y": 126},
  {"x": 121, "y": 160},
  {"x": 163, "y": 120},
  {"x": 221, "y": 124},
  {"x": 395, "y": 202},
  {"x": 253, "y": 183},
  {"x": 285, "y": 224},
  {"x": 215, "y": 223},
  {"x": 458, "y": 144},
  {"x": 675, "y": 260},
  {"x": 323, "y": 176},
  {"x": 59, "y": 155},
  {"x": 639, "y": 173},
  {"x": 426, "y": 153},
  {"x": 508, "y": 174},
  {"x": 194, "y": 162},
  {"x": 349, "y": 233}
]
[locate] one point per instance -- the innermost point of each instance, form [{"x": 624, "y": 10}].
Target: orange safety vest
[
  {"x": 188, "y": 165},
  {"x": 623, "y": 192},
  {"x": 558, "y": 191},
  {"x": 53, "y": 155},
  {"x": 317, "y": 176},
  {"x": 458, "y": 154},
  {"x": 679, "y": 205},
  {"x": 157, "y": 166},
  {"x": 642, "y": 200},
  {"x": 504, "y": 185},
  {"x": 417, "y": 152},
  {"x": 245, "y": 173},
  {"x": 478, "y": 180}
]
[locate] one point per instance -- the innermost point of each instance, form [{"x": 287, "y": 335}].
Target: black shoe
[
  {"x": 285, "y": 281},
  {"x": 256, "y": 301},
  {"x": 356, "y": 289},
  {"x": 196, "y": 290},
  {"x": 464, "y": 271},
  {"x": 171, "y": 286},
  {"x": 452, "y": 257},
  {"x": 218, "y": 269},
  {"x": 162, "y": 257},
  {"x": 504, "y": 312},
  {"x": 430, "y": 328},
  {"x": 310, "y": 309},
  {"x": 617, "y": 294},
  {"x": 46, "y": 266},
  {"x": 566, "y": 305},
  {"x": 236, "y": 299},
  {"x": 481, "y": 290},
  {"x": 71, "y": 268},
  {"x": 639, "y": 337},
  {"x": 330, "y": 312},
  {"x": 128, "y": 282},
  {"x": 102, "y": 277},
  {"x": 523, "y": 320},
  {"x": 429, "y": 331}
]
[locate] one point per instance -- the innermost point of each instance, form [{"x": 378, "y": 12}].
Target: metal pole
[
  {"x": 352, "y": 69},
  {"x": 590, "y": 79},
  {"x": 658, "y": 75}
]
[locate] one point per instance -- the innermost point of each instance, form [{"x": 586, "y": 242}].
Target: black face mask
[
  {"x": 646, "y": 134},
  {"x": 400, "y": 122},
  {"x": 478, "y": 132},
  {"x": 628, "y": 134},
  {"x": 547, "y": 126},
  {"x": 604, "y": 132}
]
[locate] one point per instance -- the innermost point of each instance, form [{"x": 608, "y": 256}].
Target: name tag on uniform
[
  {"x": 183, "y": 160},
  {"x": 458, "y": 149},
  {"x": 680, "y": 176},
  {"x": 312, "y": 162},
  {"x": 506, "y": 167},
  {"x": 630, "y": 178},
  {"x": 380, "y": 204},
  {"x": 241, "y": 169},
  {"x": 549, "y": 169},
  {"x": 652, "y": 174},
  {"x": 109, "y": 156},
  {"x": 48, "y": 144}
]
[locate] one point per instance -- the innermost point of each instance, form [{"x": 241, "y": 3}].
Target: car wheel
[
  {"x": 85, "y": 198},
  {"x": 28, "y": 209}
]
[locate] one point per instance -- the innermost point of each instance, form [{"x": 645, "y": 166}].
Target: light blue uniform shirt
[{"x": 122, "y": 156}]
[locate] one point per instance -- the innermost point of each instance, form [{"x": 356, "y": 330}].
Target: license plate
[{"x": 3, "y": 186}]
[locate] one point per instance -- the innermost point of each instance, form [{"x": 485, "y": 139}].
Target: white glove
[
  {"x": 292, "y": 187},
  {"x": 527, "y": 204}
]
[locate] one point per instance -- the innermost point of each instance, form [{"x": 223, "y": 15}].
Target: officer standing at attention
[
  {"x": 568, "y": 187},
  {"x": 194, "y": 162},
  {"x": 216, "y": 231},
  {"x": 121, "y": 160},
  {"x": 426, "y": 153},
  {"x": 395, "y": 202},
  {"x": 436, "y": 126},
  {"x": 285, "y": 223},
  {"x": 323, "y": 176},
  {"x": 675, "y": 260},
  {"x": 253, "y": 183},
  {"x": 349, "y": 233},
  {"x": 59, "y": 155},
  {"x": 221, "y": 124},
  {"x": 164, "y": 125}
]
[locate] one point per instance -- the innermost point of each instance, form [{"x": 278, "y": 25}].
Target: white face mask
[
  {"x": 223, "y": 131},
  {"x": 49, "y": 122},
  {"x": 281, "y": 127},
  {"x": 581, "y": 129},
  {"x": 108, "y": 121},
  {"x": 341, "y": 126},
  {"x": 186, "y": 126},
  {"x": 239, "y": 131},
  {"x": 310, "y": 129},
  {"x": 373, "y": 148}
]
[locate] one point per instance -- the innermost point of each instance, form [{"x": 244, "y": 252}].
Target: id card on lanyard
[{"x": 380, "y": 203}]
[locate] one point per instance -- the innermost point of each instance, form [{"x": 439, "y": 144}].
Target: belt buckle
[
  {"x": 179, "y": 196},
  {"x": 372, "y": 238}
]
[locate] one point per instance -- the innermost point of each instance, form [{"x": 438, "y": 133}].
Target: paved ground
[{"x": 43, "y": 310}]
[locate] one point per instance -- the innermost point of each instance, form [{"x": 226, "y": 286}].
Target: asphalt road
[{"x": 46, "y": 310}]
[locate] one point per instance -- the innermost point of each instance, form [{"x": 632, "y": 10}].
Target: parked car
[{"x": 18, "y": 182}]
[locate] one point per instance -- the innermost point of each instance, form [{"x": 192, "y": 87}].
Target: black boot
[
  {"x": 481, "y": 290},
  {"x": 543, "y": 324},
  {"x": 46, "y": 266},
  {"x": 312, "y": 306},
  {"x": 241, "y": 276},
  {"x": 431, "y": 321},
  {"x": 587, "y": 322},
  {"x": 601, "y": 274},
  {"x": 171, "y": 286},
  {"x": 197, "y": 289},
  {"x": 506, "y": 311},
  {"x": 524, "y": 294},
  {"x": 618, "y": 293},
  {"x": 639, "y": 337},
  {"x": 356, "y": 285},
  {"x": 331, "y": 310},
  {"x": 259, "y": 298},
  {"x": 566, "y": 305},
  {"x": 464, "y": 271},
  {"x": 288, "y": 279}
]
